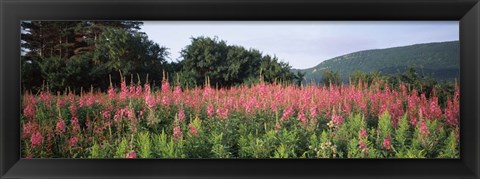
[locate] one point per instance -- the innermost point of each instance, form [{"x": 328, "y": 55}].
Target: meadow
[{"x": 257, "y": 121}]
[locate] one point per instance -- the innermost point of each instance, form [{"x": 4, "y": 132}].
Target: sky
[{"x": 303, "y": 44}]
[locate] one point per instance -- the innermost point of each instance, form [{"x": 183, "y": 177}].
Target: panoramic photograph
[{"x": 240, "y": 89}]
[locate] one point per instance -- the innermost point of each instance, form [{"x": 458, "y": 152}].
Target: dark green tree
[
  {"x": 229, "y": 65},
  {"x": 330, "y": 77},
  {"x": 80, "y": 54}
]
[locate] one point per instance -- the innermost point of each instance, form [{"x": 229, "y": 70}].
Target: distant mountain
[{"x": 440, "y": 60}]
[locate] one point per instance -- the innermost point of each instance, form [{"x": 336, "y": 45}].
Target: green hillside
[{"x": 439, "y": 60}]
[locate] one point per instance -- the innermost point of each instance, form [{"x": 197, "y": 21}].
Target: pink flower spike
[
  {"x": 181, "y": 115},
  {"x": 36, "y": 139},
  {"x": 131, "y": 154},
  {"x": 193, "y": 131},
  {"x": 177, "y": 133},
  {"x": 73, "y": 141},
  {"x": 60, "y": 127},
  {"x": 363, "y": 133},
  {"x": 387, "y": 143}
]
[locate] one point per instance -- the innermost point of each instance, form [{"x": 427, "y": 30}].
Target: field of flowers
[{"x": 260, "y": 121}]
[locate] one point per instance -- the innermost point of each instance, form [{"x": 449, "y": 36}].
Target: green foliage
[
  {"x": 164, "y": 148},
  {"x": 77, "y": 54},
  {"x": 402, "y": 133},
  {"x": 257, "y": 147},
  {"x": 95, "y": 151},
  {"x": 385, "y": 127},
  {"x": 282, "y": 151},
  {"x": 218, "y": 149},
  {"x": 451, "y": 149},
  {"x": 286, "y": 144},
  {"x": 411, "y": 152},
  {"x": 330, "y": 77},
  {"x": 122, "y": 149},
  {"x": 144, "y": 145},
  {"x": 227, "y": 65},
  {"x": 322, "y": 147},
  {"x": 355, "y": 151}
]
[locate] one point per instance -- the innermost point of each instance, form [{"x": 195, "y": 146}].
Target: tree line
[{"x": 80, "y": 55}]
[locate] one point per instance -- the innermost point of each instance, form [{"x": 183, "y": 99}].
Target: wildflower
[
  {"x": 435, "y": 111},
  {"x": 123, "y": 90},
  {"x": 29, "y": 110},
  {"x": 111, "y": 92},
  {"x": 386, "y": 143},
  {"x": 313, "y": 112},
  {"x": 302, "y": 118},
  {"x": 138, "y": 90},
  {"x": 81, "y": 102},
  {"x": 73, "y": 141},
  {"x": 147, "y": 88},
  {"x": 131, "y": 90},
  {"x": 60, "y": 127},
  {"x": 130, "y": 113},
  {"x": 60, "y": 102},
  {"x": 177, "y": 93},
  {"x": 165, "y": 101},
  {"x": 362, "y": 133},
  {"x": 36, "y": 139},
  {"x": 150, "y": 101},
  {"x": 45, "y": 96},
  {"x": 131, "y": 154},
  {"x": 75, "y": 124},
  {"x": 210, "y": 110},
  {"x": 165, "y": 86},
  {"x": 181, "y": 115},
  {"x": 362, "y": 144},
  {"x": 337, "y": 119},
  {"x": 106, "y": 114},
  {"x": 192, "y": 130},
  {"x": 90, "y": 100},
  {"x": 73, "y": 109},
  {"x": 207, "y": 92},
  {"x": 451, "y": 113},
  {"x": 423, "y": 128},
  {"x": 29, "y": 128},
  {"x": 331, "y": 124},
  {"x": 177, "y": 132},
  {"x": 222, "y": 112},
  {"x": 287, "y": 113}
]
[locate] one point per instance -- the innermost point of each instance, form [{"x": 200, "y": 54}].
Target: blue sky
[{"x": 302, "y": 44}]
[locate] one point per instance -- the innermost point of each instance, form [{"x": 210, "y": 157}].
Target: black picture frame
[{"x": 465, "y": 11}]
